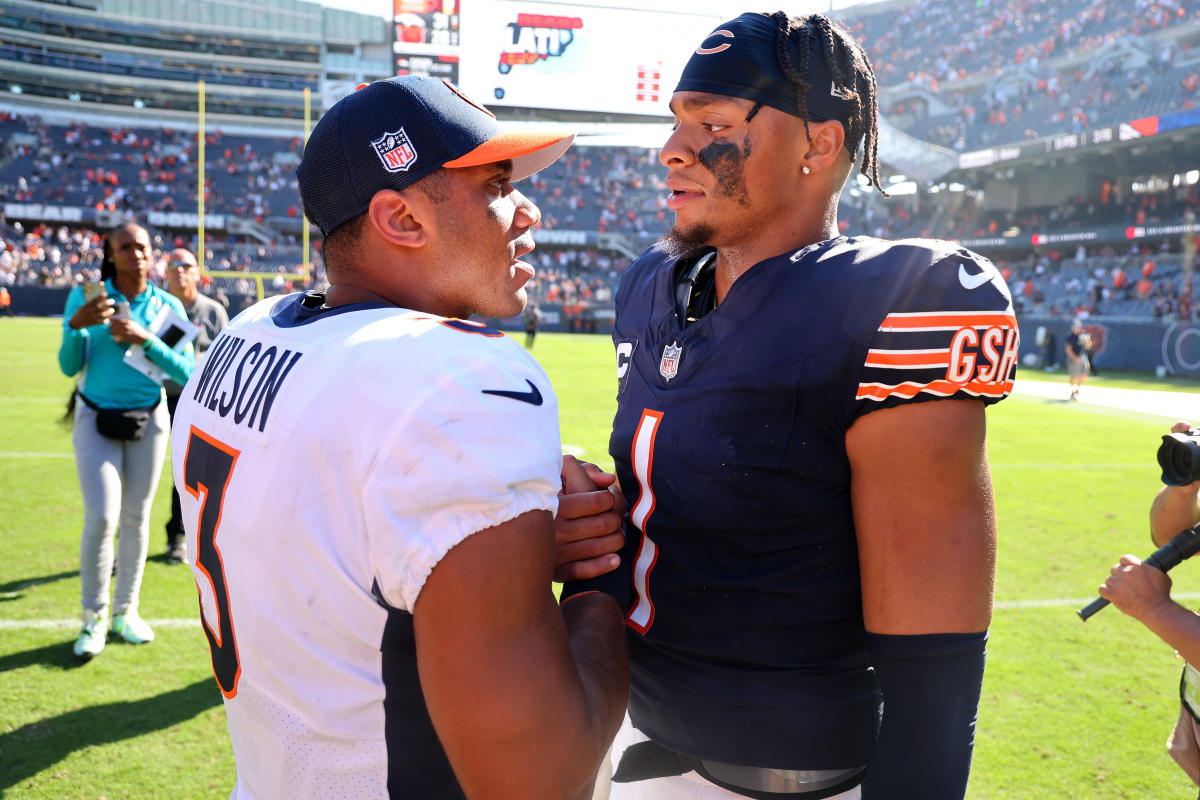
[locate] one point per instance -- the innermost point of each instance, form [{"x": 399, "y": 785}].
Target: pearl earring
[{"x": 805, "y": 169}]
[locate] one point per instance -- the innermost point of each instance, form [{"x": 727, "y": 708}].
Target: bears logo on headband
[
  {"x": 708, "y": 51},
  {"x": 751, "y": 70}
]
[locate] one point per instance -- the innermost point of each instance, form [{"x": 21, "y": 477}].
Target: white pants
[
  {"x": 689, "y": 786},
  {"x": 118, "y": 480}
]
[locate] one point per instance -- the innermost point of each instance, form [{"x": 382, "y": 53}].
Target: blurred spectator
[{"x": 182, "y": 278}]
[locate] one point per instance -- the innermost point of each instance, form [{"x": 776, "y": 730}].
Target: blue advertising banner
[{"x": 1138, "y": 346}]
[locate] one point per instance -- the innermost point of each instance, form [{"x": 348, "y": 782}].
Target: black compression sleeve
[
  {"x": 931, "y": 685},
  {"x": 618, "y": 583}
]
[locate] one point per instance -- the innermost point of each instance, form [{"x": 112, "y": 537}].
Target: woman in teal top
[{"x": 118, "y": 476}]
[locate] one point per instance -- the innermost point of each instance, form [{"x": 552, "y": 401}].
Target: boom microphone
[{"x": 1184, "y": 545}]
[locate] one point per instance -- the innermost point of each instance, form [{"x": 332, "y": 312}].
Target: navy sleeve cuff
[{"x": 618, "y": 583}]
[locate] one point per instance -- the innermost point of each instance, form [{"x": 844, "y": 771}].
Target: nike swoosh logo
[
  {"x": 533, "y": 396},
  {"x": 970, "y": 281}
]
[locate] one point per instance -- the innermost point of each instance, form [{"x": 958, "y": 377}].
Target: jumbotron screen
[
  {"x": 425, "y": 38},
  {"x": 564, "y": 56}
]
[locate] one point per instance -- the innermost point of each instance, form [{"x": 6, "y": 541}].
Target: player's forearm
[
  {"x": 931, "y": 686},
  {"x": 596, "y": 631},
  {"x": 1177, "y": 626},
  {"x": 1174, "y": 509},
  {"x": 562, "y": 717}
]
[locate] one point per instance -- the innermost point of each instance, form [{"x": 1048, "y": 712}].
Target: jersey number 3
[
  {"x": 641, "y": 615},
  {"x": 207, "y": 468}
]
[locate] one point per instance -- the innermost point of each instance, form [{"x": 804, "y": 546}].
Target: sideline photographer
[
  {"x": 1144, "y": 593},
  {"x": 1175, "y": 507}
]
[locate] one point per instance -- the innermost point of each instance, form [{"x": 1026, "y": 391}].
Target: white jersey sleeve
[{"x": 477, "y": 447}]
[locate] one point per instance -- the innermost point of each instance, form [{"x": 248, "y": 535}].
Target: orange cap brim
[{"x": 529, "y": 151}]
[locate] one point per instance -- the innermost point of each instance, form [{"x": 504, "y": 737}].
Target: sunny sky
[{"x": 718, "y": 7}]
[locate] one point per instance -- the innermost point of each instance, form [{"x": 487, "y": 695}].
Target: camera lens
[{"x": 1179, "y": 457}]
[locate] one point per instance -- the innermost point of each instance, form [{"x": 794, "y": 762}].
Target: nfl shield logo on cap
[
  {"x": 668, "y": 367},
  {"x": 395, "y": 150}
]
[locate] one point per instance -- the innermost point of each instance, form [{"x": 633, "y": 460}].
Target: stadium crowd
[
  {"x": 981, "y": 37},
  {"x": 1131, "y": 282},
  {"x": 141, "y": 169},
  {"x": 1018, "y": 69},
  {"x": 1005, "y": 83},
  {"x": 1104, "y": 283}
]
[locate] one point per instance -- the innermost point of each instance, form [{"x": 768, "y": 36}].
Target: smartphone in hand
[
  {"x": 121, "y": 310},
  {"x": 92, "y": 290}
]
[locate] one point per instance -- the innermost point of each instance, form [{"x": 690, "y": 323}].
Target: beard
[{"x": 689, "y": 241}]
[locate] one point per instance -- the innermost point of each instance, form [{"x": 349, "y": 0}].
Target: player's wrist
[{"x": 617, "y": 584}]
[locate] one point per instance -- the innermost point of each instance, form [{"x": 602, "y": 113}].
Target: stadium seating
[
  {"x": 1001, "y": 71},
  {"x": 1036, "y": 50}
]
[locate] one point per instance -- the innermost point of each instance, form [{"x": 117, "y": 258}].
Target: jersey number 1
[
  {"x": 641, "y": 615},
  {"x": 207, "y": 468}
]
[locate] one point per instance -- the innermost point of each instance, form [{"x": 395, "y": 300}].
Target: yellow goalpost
[{"x": 257, "y": 277}]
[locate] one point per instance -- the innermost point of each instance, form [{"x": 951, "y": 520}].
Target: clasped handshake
[{"x": 587, "y": 529}]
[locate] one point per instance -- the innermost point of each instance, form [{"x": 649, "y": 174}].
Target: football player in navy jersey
[{"x": 800, "y": 436}]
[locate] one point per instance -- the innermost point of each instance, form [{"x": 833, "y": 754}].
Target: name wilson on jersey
[{"x": 247, "y": 390}]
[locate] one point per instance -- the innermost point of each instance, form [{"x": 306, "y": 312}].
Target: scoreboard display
[
  {"x": 547, "y": 55},
  {"x": 425, "y": 38}
]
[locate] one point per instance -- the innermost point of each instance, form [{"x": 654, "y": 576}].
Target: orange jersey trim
[
  {"x": 945, "y": 320},
  {"x": 908, "y": 358},
  {"x": 941, "y": 388}
]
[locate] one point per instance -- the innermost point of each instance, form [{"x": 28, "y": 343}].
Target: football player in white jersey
[{"x": 369, "y": 482}]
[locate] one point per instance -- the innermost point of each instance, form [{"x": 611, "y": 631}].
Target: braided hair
[
  {"x": 108, "y": 267},
  {"x": 853, "y": 78}
]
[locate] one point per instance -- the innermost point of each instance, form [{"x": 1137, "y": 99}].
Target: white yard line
[
  {"x": 72, "y": 624},
  {"x": 1178, "y": 405},
  {"x": 37, "y": 455},
  {"x": 1074, "y": 602},
  {"x": 1175, "y": 405},
  {"x": 1139, "y": 465},
  {"x": 194, "y": 622}
]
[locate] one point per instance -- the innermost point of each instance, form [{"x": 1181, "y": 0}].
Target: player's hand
[
  {"x": 94, "y": 312},
  {"x": 587, "y": 528},
  {"x": 127, "y": 331},
  {"x": 1136, "y": 588}
]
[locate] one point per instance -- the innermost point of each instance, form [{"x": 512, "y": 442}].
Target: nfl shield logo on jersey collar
[
  {"x": 668, "y": 367},
  {"x": 395, "y": 150}
]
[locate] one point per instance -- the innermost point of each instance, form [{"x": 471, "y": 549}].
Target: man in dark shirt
[
  {"x": 183, "y": 277},
  {"x": 1077, "y": 358}
]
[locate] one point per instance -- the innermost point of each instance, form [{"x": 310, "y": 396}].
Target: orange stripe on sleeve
[
  {"x": 943, "y": 320},
  {"x": 941, "y": 388},
  {"x": 907, "y": 358}
]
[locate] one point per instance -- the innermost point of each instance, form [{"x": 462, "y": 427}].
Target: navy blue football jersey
[{"x": 746, "y": 630}]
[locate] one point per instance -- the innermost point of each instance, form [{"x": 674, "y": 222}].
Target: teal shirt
[{"x": 107, "y": 380}]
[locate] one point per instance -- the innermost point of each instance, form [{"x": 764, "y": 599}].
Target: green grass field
[{"x": 1070, "y": 710}]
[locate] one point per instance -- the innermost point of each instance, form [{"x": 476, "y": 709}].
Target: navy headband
[{"x": 739, "y": 59}]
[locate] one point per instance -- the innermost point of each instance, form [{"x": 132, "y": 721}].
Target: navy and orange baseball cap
[
  {"x": 389, "y": 134},
  {"x": 739, "y": 59}
]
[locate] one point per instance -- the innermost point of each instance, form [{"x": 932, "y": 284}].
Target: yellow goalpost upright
[{"x": 202, "y": 251}]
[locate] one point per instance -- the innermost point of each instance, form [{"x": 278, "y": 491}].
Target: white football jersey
[{"x": 326, "y": 460}]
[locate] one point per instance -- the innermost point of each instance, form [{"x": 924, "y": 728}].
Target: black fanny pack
[{"x": 122, "y": 424}]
